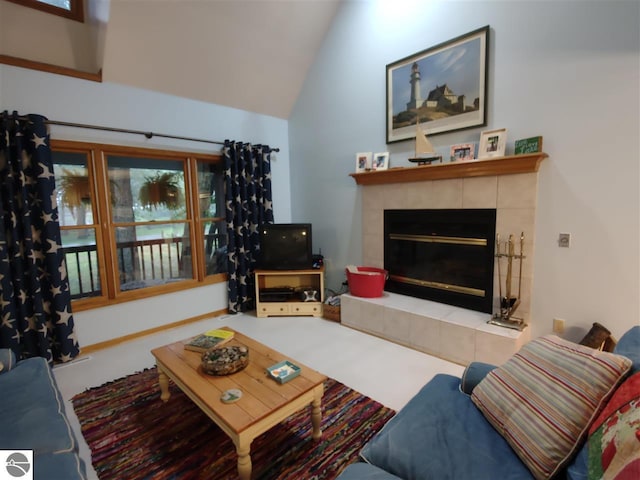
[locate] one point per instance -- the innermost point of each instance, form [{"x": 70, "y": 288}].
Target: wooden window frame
[
  {"x": 75, "y": 13},
  {"x": 104, "y": 226}
]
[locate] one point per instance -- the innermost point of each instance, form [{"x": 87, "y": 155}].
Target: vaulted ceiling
[{"x": 247, "y": 54}]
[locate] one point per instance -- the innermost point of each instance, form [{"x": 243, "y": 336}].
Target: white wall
[
  {"x": 39, "y": 36},
  {"x": 566, "y": 70},
  {"x": 72, "y": 100}
]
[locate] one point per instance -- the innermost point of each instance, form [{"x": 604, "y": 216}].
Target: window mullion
[
  {"x": 193, "y": 215},
  {"x": 106, "y": 225},
  {"x": 97, "y": 221}
]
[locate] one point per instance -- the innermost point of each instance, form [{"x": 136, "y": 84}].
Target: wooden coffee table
[{"x": 264, "y": 402}]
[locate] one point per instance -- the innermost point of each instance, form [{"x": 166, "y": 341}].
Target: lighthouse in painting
[{"x": 416, "y": 99}]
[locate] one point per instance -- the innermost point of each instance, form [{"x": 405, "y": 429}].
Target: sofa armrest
[
  {"x": 629, "y": 346},
  {"x": 7, "y": 360},
  {"x": 473, "y": 375}
]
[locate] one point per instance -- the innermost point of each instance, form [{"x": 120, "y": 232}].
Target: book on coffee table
[{"x": 205, "y": 341}]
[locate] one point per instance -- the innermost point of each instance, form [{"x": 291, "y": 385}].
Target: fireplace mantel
[{"x": 508, "y": 165}]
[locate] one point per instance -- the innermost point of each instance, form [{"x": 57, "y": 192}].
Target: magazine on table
[{"x": 209, "y": 339}]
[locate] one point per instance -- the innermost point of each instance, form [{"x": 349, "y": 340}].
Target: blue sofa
[
  {"x": 33, "y": 418},
  {"x": 441, "y": 435}
]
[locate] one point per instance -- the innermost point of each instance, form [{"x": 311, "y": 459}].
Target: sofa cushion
[
  {"x": 544, "y": 398},
  {"x": 365, "y": 471},
  {"x": 440, "y": 434},
  {"x": 33, "y": 415},
  {"x": 34, "y": 418},
  {"x": 614, "y": 438},
  {"x": 7, "y": 360},
  {"x": 473, "y": 375},
  {"x": 58, "y": 466}
]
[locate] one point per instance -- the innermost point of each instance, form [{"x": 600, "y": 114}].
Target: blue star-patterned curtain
[
  {"x": 247, "y": 176},
  {"x": 34, "y": 288}
]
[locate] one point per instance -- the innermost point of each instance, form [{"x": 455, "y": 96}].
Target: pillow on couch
[
  {"x": 543, "y": 399},
  {"x": 628, "y": 346},
  {"x": 614, "y": 438},
  {"x": 7, "y": 360}
]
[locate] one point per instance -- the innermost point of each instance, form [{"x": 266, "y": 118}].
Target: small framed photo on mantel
[
  {"x": 380, "y": 161},
  {"x": 492, "y": 143},
  {"x": 462, "y": 152},
  {"x": 363, "y": 161}
]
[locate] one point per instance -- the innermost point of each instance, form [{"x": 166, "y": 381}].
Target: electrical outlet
[{"x": 558, "y": 326}]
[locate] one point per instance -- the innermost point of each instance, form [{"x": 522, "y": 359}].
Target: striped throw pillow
[{"x": 543, "y": 399}]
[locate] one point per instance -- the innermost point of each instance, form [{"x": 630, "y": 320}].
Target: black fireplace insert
[{"x": 444, "y": 255}]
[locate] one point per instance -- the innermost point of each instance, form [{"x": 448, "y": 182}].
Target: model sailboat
[{"x": 425, "y": 154}]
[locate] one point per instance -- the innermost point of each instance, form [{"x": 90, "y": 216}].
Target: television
[{"x": 285, "y": 246}]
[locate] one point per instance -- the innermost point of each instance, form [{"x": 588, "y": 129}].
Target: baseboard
[{"x": 116, "y": 341}]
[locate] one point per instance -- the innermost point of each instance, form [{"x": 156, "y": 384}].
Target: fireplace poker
[
  {"x": 520, "y": 272},
  {"x": 499, "y": 275},
  {"x": 514, "y": 303},
  {"x": 509, "y": 274}
]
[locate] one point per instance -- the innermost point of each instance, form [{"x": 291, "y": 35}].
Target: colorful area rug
[{"x": 132, "y": 434}]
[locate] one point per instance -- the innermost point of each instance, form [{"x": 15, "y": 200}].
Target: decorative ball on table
[{"x": 225, "y": 360}]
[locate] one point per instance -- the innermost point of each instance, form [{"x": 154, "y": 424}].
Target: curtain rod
[{"x": 135, "y": 132}]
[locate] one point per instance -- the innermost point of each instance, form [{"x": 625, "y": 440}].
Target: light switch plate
[{"x": 564, "y": 240}]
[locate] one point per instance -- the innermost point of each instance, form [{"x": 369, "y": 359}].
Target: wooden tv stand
[{"x": 289, "y": 305}]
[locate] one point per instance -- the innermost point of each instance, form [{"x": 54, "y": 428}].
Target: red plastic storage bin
[{"x": 367, "y": 281}]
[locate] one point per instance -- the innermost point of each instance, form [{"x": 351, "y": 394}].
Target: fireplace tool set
[{"x": 509, "y": 303}]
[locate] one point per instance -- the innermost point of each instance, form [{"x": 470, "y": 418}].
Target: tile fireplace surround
[{"x": 508, "y": 184}]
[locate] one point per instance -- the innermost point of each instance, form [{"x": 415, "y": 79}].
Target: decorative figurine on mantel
[
  {"x": 509, "y": 303},
  {"x": 424, "y": 151}
]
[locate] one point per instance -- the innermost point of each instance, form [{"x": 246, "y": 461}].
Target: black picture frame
[{"x": 446, "y": 74}]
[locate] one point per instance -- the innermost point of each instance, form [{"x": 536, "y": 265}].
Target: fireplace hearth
[{"x": 444, "y": 255}]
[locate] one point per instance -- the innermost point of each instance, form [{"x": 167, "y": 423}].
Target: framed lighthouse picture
[{"x": 440, "y": 89}]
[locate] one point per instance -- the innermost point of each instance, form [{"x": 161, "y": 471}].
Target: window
[
  {"x": 211, "y": 221},
  {"x": 72, "y": 9},
  {"x": 138, "y": 222}
]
